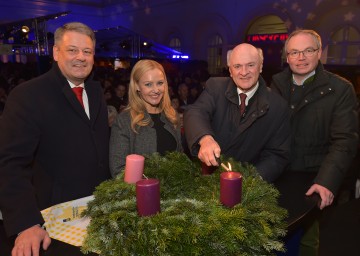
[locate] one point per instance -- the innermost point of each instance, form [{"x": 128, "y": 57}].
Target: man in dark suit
[
  {"x": 254, "y": 129},
  {"x": 53, "y": 148}
]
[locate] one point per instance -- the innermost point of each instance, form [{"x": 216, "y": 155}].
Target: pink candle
[
  {"x": 230, "y": 188},
  {"x": 207, "y": 170},
  {"x": 134, "y": 168},
  {"x": 148, "y": 197}
]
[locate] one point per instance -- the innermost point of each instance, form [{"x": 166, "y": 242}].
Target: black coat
[
  {"x": 50, "y": 152},
  {"x": 261, "y": 137},
  {"x": 324, "y": 126}
]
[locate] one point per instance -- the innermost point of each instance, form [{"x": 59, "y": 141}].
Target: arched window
[
  {"x": 268, "y": 24},
  {"x": 344, "y": 47},
  {"x": 215, "y": 46},
  {"x": 269, "y": 33},
  {"x": 175, "y": 44}
]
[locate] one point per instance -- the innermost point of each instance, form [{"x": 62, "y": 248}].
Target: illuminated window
[
  {"x": 344, "y": 47},
  {"x": 269, "y": 24},
  {"x": 215, "y": 46}
]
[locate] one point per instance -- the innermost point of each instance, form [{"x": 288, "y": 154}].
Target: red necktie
[
  {"x": 78, "y": 93},
  {"x": 242, "y": 103}
]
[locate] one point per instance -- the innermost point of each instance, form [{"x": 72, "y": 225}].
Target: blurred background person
[
  {"x": 175, "y": 103},
  {"x": 183, "y": 95},
  {"x": 119, "y": 98},
  {"x": 3, "y": 97}
]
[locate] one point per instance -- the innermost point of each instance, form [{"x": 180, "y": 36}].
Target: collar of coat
[
  {"x": 259, "y": 102},
  {"x": 283, "y": 81}
]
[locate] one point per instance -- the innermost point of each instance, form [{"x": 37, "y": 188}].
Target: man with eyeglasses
[
  {"x": 53, "y": 143},
  {"x": 324, "y": 122}
]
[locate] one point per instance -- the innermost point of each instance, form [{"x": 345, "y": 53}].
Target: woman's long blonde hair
[{"x": 137, "y": 106}]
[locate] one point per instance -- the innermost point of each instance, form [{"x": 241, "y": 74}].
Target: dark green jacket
[{"x": 324, "y": 126}]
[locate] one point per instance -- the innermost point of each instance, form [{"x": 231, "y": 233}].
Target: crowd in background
[
  {"x": 11, "y": 75},
  {"x": 186, "y": 82},
  {"x": 184, "y": 87}
]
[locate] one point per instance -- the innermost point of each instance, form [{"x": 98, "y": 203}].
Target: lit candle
[
  {"x": 134, "y": 168},
  {"x": 230, "y": 188},
  {"x": 148, "y": 197}
]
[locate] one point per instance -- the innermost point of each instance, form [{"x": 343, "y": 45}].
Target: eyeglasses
[{"x": 307, "y": 53}]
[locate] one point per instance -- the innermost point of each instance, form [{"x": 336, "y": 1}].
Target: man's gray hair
[
  {"x": 310, "y": 32},
  {"x": 74, "y": 26},
  {"x": 261, "y": 54},
  {"x": 260, "y": 51}
]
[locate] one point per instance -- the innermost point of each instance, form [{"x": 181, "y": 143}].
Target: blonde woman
[{"x": 149, "y": 123}]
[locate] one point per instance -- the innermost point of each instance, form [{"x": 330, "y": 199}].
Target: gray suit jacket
[{"x": 124, "y": 141}]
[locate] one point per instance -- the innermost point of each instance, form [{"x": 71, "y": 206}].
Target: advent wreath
[{"x": 192, "y": 220}]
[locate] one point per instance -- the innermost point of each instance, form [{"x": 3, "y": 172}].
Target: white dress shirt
[{"x": 84, "y": 97}]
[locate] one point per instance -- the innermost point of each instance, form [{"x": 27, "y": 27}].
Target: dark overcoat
[
  {"x": 261, "y": 137},
  {"x": 50, "y": 151}
]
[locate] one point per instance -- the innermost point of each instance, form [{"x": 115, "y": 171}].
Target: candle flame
[{"x": 227, "y": 168}]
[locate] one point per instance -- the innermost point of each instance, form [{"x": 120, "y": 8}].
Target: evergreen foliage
[{"x": 192, "y": 220}]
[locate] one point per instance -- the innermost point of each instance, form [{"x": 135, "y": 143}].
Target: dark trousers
[{"x": 6, "y": 244}]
